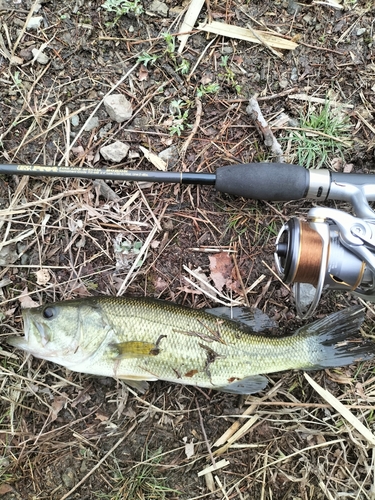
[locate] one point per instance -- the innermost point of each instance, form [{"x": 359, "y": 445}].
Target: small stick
[
  {"x": 198, "y": 117},
  {"x": 205, "y": 436},
  {"x": 264, "y": 129}
]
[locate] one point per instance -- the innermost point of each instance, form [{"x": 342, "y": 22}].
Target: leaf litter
[{"x": 59, "y": 236}]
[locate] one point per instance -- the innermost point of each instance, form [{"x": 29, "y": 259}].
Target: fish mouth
[
  {"x": 28, "y": 329},
  {"x": 26, "y": 326}
]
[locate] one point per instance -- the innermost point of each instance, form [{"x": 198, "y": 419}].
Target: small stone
[
  {"x": 39, "y": 56},
  {"x": 293, "y": 7},
  {"x": 68, "y": 477},
  {"x": 118, "y": 107},
  {"x": 227, "y": 50},
  {"x": 360, "y": 31},
  {"x": 91, "y": 124},
  {"x": 74, "y": 120},
  {"x": 283, "y": 83},
  {"x": 308, "y": 18},
  {"x": 104, "y": 130},
  {"x": 34, "y": 23},
  {"x": 158, "y": 7},
  {"x": 307, "y": 294},
  {"x": 170, "y": 156},
  {"x": 115, "y": 152}
]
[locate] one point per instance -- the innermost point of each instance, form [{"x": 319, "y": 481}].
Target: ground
[{"x": 69, "y": 435}]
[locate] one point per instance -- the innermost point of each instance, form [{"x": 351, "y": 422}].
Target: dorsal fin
[{"x": 252, "y": 319}]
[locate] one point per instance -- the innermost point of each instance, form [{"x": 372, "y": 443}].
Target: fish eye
[{"x": 49, "y": 312}]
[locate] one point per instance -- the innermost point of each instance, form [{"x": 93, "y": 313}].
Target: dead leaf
[
  {"x": 143, "y": 74},
  {"x": 26, "y": 301},
  {"x": 221, "y": 267},
  {"x": 82, "y": 397},
  {"x": 5, "y": 488},
  {"x": 42, "y": 276},
  {"x": 57, "y": 405},
  {"x": 78, "y": 151},
  {"x": 189, "y": 447},
  {"x": 241, "y": 33},
  {"x": 101, "y": 417}
]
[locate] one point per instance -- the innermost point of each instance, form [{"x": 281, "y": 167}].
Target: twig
[
  {"x": 264, "y": 129},
  {"x": 198, "y": 117},
  {"x": 205, "y": 435}
]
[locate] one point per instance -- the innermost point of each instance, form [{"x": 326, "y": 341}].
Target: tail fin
[{"x": 337, "y": 341}]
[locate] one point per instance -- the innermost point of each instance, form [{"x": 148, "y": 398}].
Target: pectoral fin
[
  {"x": 139, "y": 385},
  {"x": 247, "y": 385},
  {"x": 135, "y": 349}
]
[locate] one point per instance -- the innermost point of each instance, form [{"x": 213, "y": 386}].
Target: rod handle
[{"x": 264, "y": 181}]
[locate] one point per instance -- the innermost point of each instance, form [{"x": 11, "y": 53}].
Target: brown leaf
[
  {"x": 57, "y": 405},
  {"x": 101, "y": 417},
  {"x": 142, "y": 74},
  {"x": 5, "y": 488},
  {"x": 26, "y": 301},
  {"x": 221, "y": 269}
]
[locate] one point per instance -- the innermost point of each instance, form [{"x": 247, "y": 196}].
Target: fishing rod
[{"x": 330, "y": 250}]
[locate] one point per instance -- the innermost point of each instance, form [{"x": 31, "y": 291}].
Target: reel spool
[{"x": 327, "y": 255}]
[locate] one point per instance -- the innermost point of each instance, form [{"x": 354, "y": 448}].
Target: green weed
[
  {"x": 180, "y": 116},
  {"x": 146, "y": 58},
  {"x": 122, "y": 7},
  {"x": 229, "y": 76},
  {"x": 210, "y": 88},
  {"x": 313, "y": 150}
]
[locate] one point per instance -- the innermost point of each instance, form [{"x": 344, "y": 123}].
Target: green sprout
[
  {"x": 122, "y": 7},
  {"x": 146, "y": 58},
  {"x": 183, "y": 67},
  {"x": 210, "y": 88},
  {"x": 229, "y": 75},
  {"x": 170, "y": 41},
  {"x": 179, "y": 116}
]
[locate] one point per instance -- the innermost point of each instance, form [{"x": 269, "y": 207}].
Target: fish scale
[{"x": 139, "y": 339}]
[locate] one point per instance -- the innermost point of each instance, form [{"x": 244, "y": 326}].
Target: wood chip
[
  {"x": 318, "y": 100},
  {"x": 189, "y": 21},
  {"x": 213, "y": 468},
  {"x": 231, "y": 31},
  {"x": 154, "y": 159},
  {"x": 343, "y": 410}
]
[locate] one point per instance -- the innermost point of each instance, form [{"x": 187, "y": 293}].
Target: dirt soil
[{"x": 70, "y": 435}]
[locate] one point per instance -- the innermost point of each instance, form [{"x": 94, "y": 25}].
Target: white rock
[
  {"x": 158, "y": 7},
  {"x": 34, "y": 23},
  {"x": 170, "y": 156},
  {"x": 92, "y": 123},
  {"x": 118, "y": 107},
  {"x": 39, "y": 56},
  {"x": 115, "y": 152},
  {"x": 75, "y": 120}
]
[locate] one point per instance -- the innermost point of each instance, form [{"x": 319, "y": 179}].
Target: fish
[{"x": 140, "y": 340}]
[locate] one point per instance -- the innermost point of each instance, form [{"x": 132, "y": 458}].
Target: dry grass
[{"x": 66, "y": 435}]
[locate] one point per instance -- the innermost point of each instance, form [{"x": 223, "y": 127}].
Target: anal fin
[{"x": 247, "y": 385}]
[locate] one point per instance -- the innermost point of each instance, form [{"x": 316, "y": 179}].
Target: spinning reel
[{"x": 333, "y": 249}]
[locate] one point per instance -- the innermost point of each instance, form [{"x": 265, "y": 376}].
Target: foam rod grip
[{"x": 264, "y": 181}]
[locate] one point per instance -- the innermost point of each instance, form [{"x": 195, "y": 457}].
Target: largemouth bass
[{"x": 138, "y": 339}]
